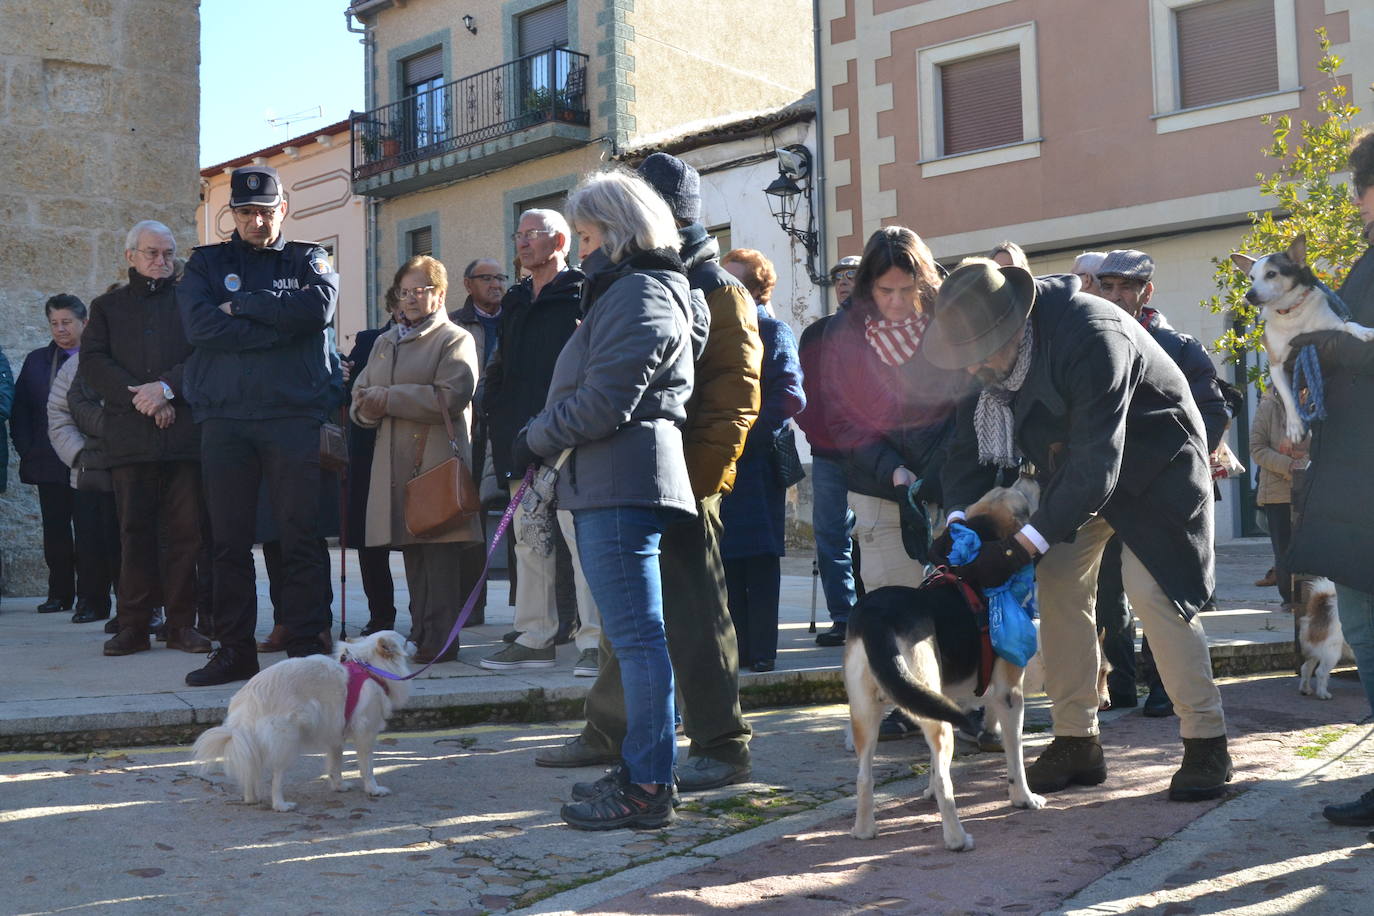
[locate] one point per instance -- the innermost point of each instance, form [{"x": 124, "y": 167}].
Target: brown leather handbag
[{"x": 443, "y": 497}]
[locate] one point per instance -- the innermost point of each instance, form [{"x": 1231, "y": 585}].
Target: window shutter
[
  {"x": 980, "y": 102},
  {"x": 423, "y": 67},
  {"x": 543, "y": 29},
  {"x": 422, "y": 241},
  {"x": 1226, "y": 50}
]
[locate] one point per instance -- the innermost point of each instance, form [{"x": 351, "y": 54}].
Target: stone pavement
[{"x": 62, "y": 694}]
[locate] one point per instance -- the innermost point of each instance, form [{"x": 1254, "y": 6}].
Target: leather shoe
[
  {"x": 275, "y": 641},
  {"x": 112, "y": 626},
  {"x": 1157, "y": 704},
  {"x": 377, "y": 625},
  {"x": 764, "y": 664},
  {"x": 126, "y": 642},
  {"x": 1359, "y": 813},
  {"x": 833, "y": 636},
  {"x": 702, "y": 773},
  {"x": 224, "y": 667},
  {"x": 575, "y": 752},
  {"x": 54, "y": 605},
  {"x": 87, "y": 613},
  {"x": 187, "y": 640},
  {"x": 1067, "y": 761}
]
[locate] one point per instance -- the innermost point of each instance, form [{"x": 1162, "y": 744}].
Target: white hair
[
  {"x": 554, "y": 222},
  {"x": 146, "y": 225},
  {"x": 1088, "y": 262},
  {"x": 627, "y": 211}
]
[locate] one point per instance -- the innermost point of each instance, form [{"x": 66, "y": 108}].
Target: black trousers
[
  {"x": 55, "y": 502},
  {"x": 276, "y": 578},
  {"x": 96, "y": 522},
  {"x": 753, "y": 585},
  {"x": 374, "y": 568},
  {"x": 1114, "y": 620},
  {"x": 1280, "y": 519},
  {"x": 159, "y": 533},
  {"x": 239, "y": 456}
]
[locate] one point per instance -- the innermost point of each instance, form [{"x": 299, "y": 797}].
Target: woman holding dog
[
  {"x": 423, "y": 365},
  {"x": 618, "y": 400}
]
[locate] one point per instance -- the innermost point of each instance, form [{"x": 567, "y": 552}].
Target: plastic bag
[{"x": 1011, "y": 606}]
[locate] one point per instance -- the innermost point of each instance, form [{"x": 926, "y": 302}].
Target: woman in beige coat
[
  {"x": 424, "y": 361},
  {"x": 1275, "y": 455}
]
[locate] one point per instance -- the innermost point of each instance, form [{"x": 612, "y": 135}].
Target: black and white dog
[
  {"x": 919, "y": 649},
  {"x": 1293, "y": 303}
]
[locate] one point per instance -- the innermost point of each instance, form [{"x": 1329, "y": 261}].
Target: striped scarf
[
  {"x": 992, "y": 417},
  {"x": 895, "y": 342}
]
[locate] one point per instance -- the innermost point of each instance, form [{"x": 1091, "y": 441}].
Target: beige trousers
[
  {"x": 1066, "y": 579},
  {"x": 536, "y": 603},
  {"x": 878, "y": 529}
]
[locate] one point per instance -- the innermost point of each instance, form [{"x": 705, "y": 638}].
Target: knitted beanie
[{"x": 676, "y": 182}]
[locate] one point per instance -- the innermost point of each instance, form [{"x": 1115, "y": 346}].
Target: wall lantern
[
  {"x": 470, "y": 24},
  {"x": 785, "y": 195}
]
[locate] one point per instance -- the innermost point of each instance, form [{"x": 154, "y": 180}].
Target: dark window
[
  {"x": 541, "y": 29},
  {"x": 722, "y": 236},
  {"x": 427, "y": 111},
  {"x": 1226, "y": 50},
  {"x": 420, "y": 241},
  {"x": 980, "y": 102},
  {"x": 544, "y": 70}
]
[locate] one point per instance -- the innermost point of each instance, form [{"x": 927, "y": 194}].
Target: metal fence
[{"x": 548, "y": 86}]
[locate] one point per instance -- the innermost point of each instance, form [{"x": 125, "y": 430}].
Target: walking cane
[
  {"x": 343, "y": 536},
  {"x": 815, "y": 577}
]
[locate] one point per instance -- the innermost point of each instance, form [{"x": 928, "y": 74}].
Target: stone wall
[{"x": 99, "y": 124}]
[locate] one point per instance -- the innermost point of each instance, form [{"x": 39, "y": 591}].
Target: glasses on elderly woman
[
  {"x": 416, "y": 292},
  {"x": 848, "y": 274}
]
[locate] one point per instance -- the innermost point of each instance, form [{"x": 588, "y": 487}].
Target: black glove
[
  {"x": 1325, "y": 342},
  {"x": 941, "y": 546},
  {"x": 521, "y": 455},
  {"x": 996, "y": 562}
]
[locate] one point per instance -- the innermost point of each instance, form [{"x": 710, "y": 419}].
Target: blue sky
[{"x": 298, "y": 56}]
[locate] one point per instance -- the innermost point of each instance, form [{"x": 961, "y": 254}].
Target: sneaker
[
  {"x": 157, "y": 625},
  {"x": 1359, "y": 813},
  {"x": 126, "y": 642},
  {"x": 625, "y": 805},
  {"x": 511, "y": 637},
  {"x": 701, "y": 773},
  {"x": 617, "y": 775},
  {"x": 575, "y": 752},
  {"x": 1067, "y": 761},
  {"x": 518, "y": 656},
  {"x": 588, "y": 663},
  {"x": 224, "y": 667},
  {"x": 1205, "y": 771},
  {"x": 1157, "y": 704},
  {"x": 833, "y": 636},
  {"x": 897, "y": 725}
]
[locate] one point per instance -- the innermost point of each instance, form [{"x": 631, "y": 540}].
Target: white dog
[
  {"x": 310, "y": 704},
  {"x": 1319, "y": 634},
  {"x": 1292, "y": 304}
]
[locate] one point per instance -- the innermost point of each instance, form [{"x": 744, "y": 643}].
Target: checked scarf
[{"x": 992, "y": 418}]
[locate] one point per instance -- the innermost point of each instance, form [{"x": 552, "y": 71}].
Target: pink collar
[{"x": 357, "y": 676}]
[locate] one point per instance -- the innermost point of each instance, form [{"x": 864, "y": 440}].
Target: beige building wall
[
  {"x": 99, "y": 124},
  {"x": 321, "y": 207}
]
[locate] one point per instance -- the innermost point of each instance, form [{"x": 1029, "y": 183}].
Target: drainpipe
[
  {"x": 371, "y": 264},
  {"x": 205, "y": 198},
  {"x": 819, "y": 164}
]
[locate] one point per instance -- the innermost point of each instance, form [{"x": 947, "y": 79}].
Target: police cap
[{"x": 254, "y": 185}]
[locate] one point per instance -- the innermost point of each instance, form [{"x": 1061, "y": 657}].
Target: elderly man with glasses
[
  {"x": 134, "y": 354},
  {"x": 255, "y": 309}
]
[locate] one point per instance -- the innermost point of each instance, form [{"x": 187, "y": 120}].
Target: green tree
[{"x": 1307, "y": 199}]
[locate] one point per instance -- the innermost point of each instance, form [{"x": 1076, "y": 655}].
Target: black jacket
[
  {"x": 361, "y": 440},
  {"x": 1332, "y": 535},
  {"x": 1191, "y": 356},
  {"x": 1107, "y": 418},
  {"x": 6, "y": 406},
  {"x": 270, "y": 358},
  {"x": 38, "y": 463},
  {"x": 533, "y": 332},
  {"x": 134, "y": 337}
]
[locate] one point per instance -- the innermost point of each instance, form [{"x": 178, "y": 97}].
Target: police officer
[{"x": 255, "y": 309}]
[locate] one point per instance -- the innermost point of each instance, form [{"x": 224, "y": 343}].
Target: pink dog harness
[{"x": 357, "y": 677}]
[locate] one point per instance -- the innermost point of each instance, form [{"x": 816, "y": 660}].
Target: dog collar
[
  {"x": 357, "y": 677},
  {"x": 1295, "y": 305}
]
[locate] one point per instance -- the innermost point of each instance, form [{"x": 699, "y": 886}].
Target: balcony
[{"x": 516, "y": 111}]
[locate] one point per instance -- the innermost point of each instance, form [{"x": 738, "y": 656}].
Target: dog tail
[
  {"x": 894, "y": 675},
  {"x": 237, "y": 750}
]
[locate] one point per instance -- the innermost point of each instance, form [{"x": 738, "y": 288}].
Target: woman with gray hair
[{"x": 617, "y": 402}]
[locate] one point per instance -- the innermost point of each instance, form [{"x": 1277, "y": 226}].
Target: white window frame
[
  {"x": 929, "y": 60},
  {"x": 1168, "y": 117}
]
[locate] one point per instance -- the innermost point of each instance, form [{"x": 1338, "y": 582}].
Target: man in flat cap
[
  {"x": 255, "y": 309},
  {"x": 1078, "y": 388}
]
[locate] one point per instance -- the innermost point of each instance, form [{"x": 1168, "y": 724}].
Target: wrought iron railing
[{"x": 548, "y": 86}]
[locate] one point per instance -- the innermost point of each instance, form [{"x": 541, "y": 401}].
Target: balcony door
[
  {"x": 426, "y": 110},
  {"x": 543, "y": 67}
]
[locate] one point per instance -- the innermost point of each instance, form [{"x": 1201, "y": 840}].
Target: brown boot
[
  {"x": 187, "y": 640},
  {"x": 275, "y": 641},
  {"x": 1205, "y": 771},
  {"x": 1067, "y": 761},
  {"x": 126, "y": 642}
]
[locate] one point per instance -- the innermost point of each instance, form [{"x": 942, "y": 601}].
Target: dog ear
[
  {"x": 1297, "y": 251},
  {"x": 386, "y": 648},
  {"x": 1243, "y": 261}
]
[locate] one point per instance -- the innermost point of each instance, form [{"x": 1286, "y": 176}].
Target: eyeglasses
[
  {"x": 253, "y": 212},
  {"x": 418, "y": 292},
  {"x": 844, "y": 274},
  {"x": 488, "y": 278},
  {"x": 155, "y": 254},
  {"x": 529, "y": 235}
]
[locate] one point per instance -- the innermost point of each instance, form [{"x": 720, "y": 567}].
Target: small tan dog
[
  {"x": 1319, "y": 634},
  {"x": 301, "y": 704}
]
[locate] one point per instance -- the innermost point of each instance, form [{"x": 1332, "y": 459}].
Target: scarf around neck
[
  {"x": 992, "y": 418},
  {"x": 895, "y": 342}
]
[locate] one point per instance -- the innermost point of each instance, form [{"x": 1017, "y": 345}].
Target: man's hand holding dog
[{"x": 997, "y": 562}]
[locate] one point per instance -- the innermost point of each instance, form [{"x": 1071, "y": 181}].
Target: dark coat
[
  {"x": 533, "y": 332},
  {"x": 361, "y": 441},
  {"x": 6, "y": 406},
  {"x": 815, "y": 419},
  {"x": 754, "y": 512},
  {"x": 1107, "y": 418},
  {"x": 1332, "y": 535},
  {"x": 38, "y": 463},
  {"x": 134, "y": 337},
  {"x": 884, "y": 417},
  {"x": 1191, "y": 356}
]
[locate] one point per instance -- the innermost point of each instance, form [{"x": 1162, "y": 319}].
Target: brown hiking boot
[
  {"x": 187, "y": 639},
  {"x": 1067, "y": 761},
  {"x": 126, "y": 642},
  {"x": 1205, "y": 771},
  {"x": 275, "y": 641}
]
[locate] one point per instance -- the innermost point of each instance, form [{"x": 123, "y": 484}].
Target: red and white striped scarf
[{"x": 895, "y": 342}]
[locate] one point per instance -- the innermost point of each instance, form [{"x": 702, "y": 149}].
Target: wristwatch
[{"x": 166, "y": 390}]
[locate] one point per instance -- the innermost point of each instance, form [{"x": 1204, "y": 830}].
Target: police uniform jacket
[
  {"x": 270, "y": 358},
  {"x": 1107, "y": 418}
]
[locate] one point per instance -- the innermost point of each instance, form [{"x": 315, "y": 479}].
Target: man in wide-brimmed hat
[{"x": 1076, "y": 387}]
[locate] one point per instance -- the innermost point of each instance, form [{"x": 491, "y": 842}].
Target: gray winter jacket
[{"x": 620, "y": 387}]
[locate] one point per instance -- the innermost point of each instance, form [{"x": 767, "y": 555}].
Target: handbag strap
[{"x": 423, "y": 438}]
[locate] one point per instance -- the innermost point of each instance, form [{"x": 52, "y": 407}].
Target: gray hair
[
  {"x": 554, "y": 222},
  {"x": 146, "y": 225},
  {"x": 1013, "y": 251},
  {"x": 627, "y": 211},
  {"x": 1088, "y": 262}
]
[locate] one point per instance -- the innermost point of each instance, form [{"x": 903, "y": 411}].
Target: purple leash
[{"x": 476, "y": 589}]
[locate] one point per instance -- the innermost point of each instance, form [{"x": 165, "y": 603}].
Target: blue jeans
[
  {"x": 833, "y": 522},
  {"x": 618, "y": 547},
  {"x": 1357, "y": 622}
]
